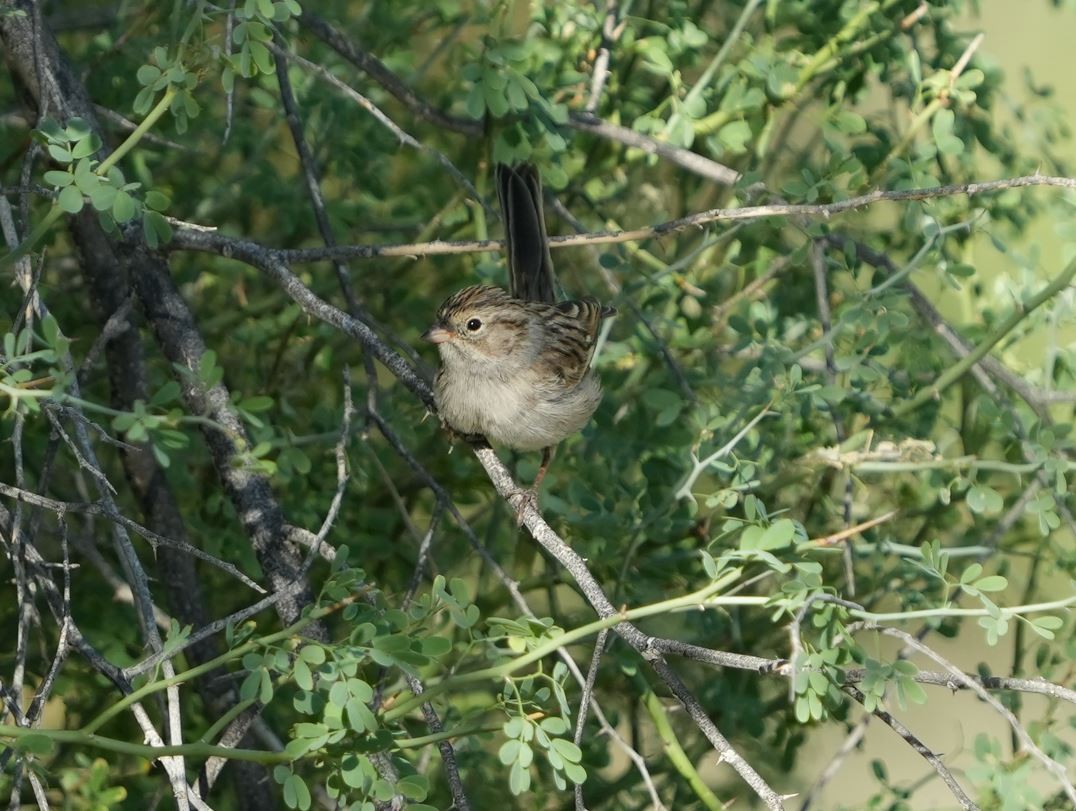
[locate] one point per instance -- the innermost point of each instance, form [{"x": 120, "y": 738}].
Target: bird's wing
[{"x": 572, "y": 333}]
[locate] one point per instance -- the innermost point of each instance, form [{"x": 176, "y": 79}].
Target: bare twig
[
  {"x": 190, "y": 236},
  {"x": 919, "y": 747},
  {"x": 848, "y": 746},
  {"x": 384, "y": 120},
  {"x": 825, "y": 318},
  {"x": 108, "y": 511},
  {"x": 376, "y": 69},
  {"x": 1051, "y": 765},
  {"x": 612, "y": 28}
]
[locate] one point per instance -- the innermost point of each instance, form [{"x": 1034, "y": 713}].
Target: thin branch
[
  {"x": 585, "y": 702},
  {"x": 1051, "y": 765},
  {"x": 275, "y": 265},
  {"x": 108, "y": 511},
  {"x": 684, "y": 158},
  {"x": 1003, "y": 328},
  {"x": 825, "y": 318},
  {"x": 225, "y": 434},
  {"x": 191, "y": 236},
  {"x": 402, "y": 136},
  {"x": 448, "y": 754},
  {"x": 781, "y": 667},
  {"x": 847, "y": 747},
  {"x": 582, "y": 121},
  {"x": 312, "y": 177},
  {"x": 699, "y": 466},
  {"x": 612, "y": 28},
  {"x": 920, "y": 748},
  {"x": 174, "y": 766},
  {"x": 510, "y": 585},
  {"x": 636, "y": 311},
  {"x": 577, "y": 567},
  {"x": 376, "y": 69},
  {"x": 215, "y": 627}
]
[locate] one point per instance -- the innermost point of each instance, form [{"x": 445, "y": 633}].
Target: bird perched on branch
[{"x": 515, "y": 366}]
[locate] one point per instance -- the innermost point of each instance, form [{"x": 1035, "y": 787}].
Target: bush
[{"x": 806, "y": 482}]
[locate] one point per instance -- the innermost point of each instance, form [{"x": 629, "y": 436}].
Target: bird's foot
[
  {"x": 520, "y": 500},
  {"x": 455, "y": 436}
]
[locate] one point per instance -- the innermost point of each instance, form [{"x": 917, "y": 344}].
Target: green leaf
[
  {"x": 148, "y": 74},
  {"x": 55, "y": 177},
  {"x": 265, "y": 691},
  {"x": 1045, "y": 626},
  {"x": 296, "y": 794},
  {"x": 155, "y": 224},
  {"x": 970, "y": 79},
  {"x": 970, "y": 573},
  {"x": 262, "y": 58},
  {"x": 87, "y": 182},
  {"x": 77, "y": 129},
  {"x": 912, "y": 692},
  {"x": 947, "y": 143},
  {"x": 51, "y": 329},
  {"x": 70, "y": 200},
  {"x": 849, "y": 122},
  {"x": 157, "y": 201},
  {"x": 734, "y": 137},
  {"x": 519, "y": 779},
  {"x": 413, "y": 787},
  {"x": 576, "y": 773},
  {"x": 436, "y": 646},
  {"x": 250, "y": 686},
  {"x": 102, "y": 197},
  {"x": 778, "y": 535},
  {"x": 86, "y": 147},
  {"x": 35, "y": 743},
  {"x": 509, "y": 751},
  {"x": 781, "y": 80},
  {"x": 567, "y": 750},
  {"x": 143, "y": 101},
  {"x": 123, "y": 207},
  {"x": 52, "y": 131},
  {"x": 554, "y": 725},
  {"x": 302, "y": 675},
  {"x": 991, "y": 583},
  {"x": 878, "y": 767},
  {"x": 339, "y": 694},
  {"x": 983, "y": 499},
  {"x": 359, "y": 716}
]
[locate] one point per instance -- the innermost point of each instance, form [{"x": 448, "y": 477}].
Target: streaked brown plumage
[{"x": 515, "y": 368}]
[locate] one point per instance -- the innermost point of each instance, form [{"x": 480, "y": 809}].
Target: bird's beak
[{"x": 437, "y": 334}]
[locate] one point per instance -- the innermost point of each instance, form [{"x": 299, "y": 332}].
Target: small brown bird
[{"x": 515, "y": 367}]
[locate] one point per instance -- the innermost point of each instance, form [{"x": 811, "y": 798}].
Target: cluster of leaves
[
  {"x": 80, "y": 177},
  {"x": 29, "y": 372},
  {"x": 501, "y": 87},
  {"x": 517, "y": 752}
]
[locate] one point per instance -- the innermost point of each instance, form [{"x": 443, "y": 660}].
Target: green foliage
[
  {"x": 109, "y": 193},
  {"x": 89, "y": 785},
  {"x": 760, "y": 477}
]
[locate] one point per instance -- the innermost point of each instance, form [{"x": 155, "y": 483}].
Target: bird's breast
[{"x": 523, "y": 412}]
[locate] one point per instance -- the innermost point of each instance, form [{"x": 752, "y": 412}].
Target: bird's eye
[{"x": 474, "y": 325}]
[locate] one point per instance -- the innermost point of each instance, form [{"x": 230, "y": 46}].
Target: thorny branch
[{"x": 191, "y": 236}]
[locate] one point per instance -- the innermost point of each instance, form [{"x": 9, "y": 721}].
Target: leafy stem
[{"x": 42, "y": 228}]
